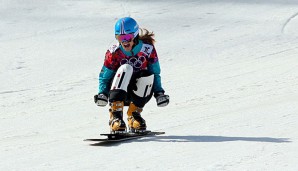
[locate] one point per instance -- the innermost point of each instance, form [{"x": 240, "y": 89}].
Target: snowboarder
[{"x": 130, "y": 76}]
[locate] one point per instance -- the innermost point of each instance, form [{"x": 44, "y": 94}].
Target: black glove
[
  {"x": 162, "y": 99},
  {"x": 101, "y": 99}
]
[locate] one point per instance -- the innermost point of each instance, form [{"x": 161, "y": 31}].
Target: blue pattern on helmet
[{"x": 126, "y": 25}]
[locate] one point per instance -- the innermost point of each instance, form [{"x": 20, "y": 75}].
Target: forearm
[
  {"x": 105, "y": 77},
  {"x": 155, "y": 69}
]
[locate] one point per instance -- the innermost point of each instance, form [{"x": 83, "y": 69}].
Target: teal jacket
[{"x": 116, "y": 56}]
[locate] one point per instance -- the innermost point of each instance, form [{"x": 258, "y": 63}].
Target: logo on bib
[{"x": 136, "y": 63}]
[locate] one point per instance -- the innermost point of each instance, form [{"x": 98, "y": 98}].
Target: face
[
  {"x": 127, "y": 46},
  {"x": 126, "y": 41}
]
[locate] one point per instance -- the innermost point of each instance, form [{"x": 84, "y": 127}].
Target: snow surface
[{"x": 230, "y": 68}]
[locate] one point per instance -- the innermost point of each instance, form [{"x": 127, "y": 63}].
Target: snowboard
[{"x": 119, "y": 137}]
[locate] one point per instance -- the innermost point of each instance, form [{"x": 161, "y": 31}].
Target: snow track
[{"x": 230, "y": 68}]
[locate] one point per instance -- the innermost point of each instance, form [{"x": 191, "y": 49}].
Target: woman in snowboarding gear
[{"x": 130, "y": 76}]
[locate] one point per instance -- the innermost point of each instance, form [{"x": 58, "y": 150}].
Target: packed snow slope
[{"x": 230, "y": 68}]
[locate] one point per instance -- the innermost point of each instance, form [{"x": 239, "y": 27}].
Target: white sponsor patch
[
  {"x": 147, "y": 49},
  {"x": 113, "y": 48}
]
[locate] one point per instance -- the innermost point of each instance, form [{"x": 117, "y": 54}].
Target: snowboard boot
[
  {"x": 135, "y": 121},
  {"x": 117, "y": 125}
]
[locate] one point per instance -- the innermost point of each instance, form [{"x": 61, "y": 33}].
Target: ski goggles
[{"x": 124, "y": 37}]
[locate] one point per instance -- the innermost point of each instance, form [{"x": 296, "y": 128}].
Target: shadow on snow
[{"x": 196, "y": 138}]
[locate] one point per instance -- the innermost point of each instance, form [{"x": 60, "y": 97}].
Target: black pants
[{"x": 130, "y": 96}]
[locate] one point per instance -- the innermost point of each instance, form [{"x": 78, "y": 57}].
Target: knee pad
[
  {"x": 144, "y": 86},
  {"x": 120, "y": 83},
  {"x": 122, "y": 77}
]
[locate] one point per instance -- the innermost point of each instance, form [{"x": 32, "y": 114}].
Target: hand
[
  {"x": 101, "y": 99},
  {"x": 162, "y": 99}
]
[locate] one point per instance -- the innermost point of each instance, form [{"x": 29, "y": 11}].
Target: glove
[
  {"x": 101, "y": 99},
  {"x": 162, "y": 99}
]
